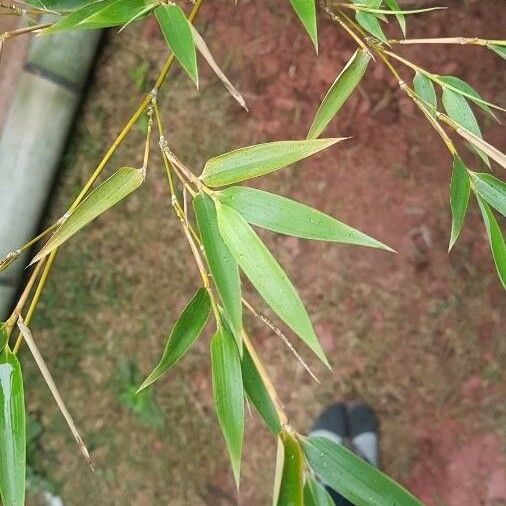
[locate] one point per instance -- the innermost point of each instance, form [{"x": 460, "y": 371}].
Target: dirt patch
[{"x": 419, "y": 335}]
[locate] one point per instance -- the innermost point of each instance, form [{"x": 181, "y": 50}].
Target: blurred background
[{"x": 419, "y": 334}]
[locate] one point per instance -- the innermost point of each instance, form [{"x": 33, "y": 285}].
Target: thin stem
[
  {"x": 22, "y": 31},
  {"x": 148, "y": 139},
  {"x": 112, "y": 149},
  {"x": 451, "y": 40},
  {"x": 350, "y": 32}
]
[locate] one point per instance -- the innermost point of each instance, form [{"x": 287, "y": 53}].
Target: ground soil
[{"x": 418, "y": 334}]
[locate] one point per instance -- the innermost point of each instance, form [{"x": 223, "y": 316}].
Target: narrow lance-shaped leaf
[
  {"x": 57, "y": 5},
  {"x": 339, "y": 92},
  {"x": 3, "y": 335},
  {"x": 469, "y": 92},
  {"x": 355, "y": 479},
  {"x": 257, "y": 393},
  {"x": 316, "y": 494},
  {"x": 490, "y": 189},
  {"x": 459, "y": 111},
  {"x": 292, "y": 476},
  {"x": 266, "y": 275},
  {"x": 459, "y": 196},
  {"x": 221, "y": 262},
  {"x": 401, "y": 19},
  {"x": 187, "y": 329},
  {"x": 12, "y": 431},
  {"x": 228, "y": 395},
  {"x": 176, "y": 30},
  {"x": 306, "y": 11},
  {"x": 278, "y": 470},
  {"x": 500, "y": 50},
  {"x": 123, "y": 182},
  {"x": 204, "y": 51},
  {"x": 495, "y": 238},
  {"x": 253, "y": 161},
  {"x": 287, "y": 216},
  {"x": 102, "y": 14},
  {"x": 425, "y": 90},
  {"x": 369, "y": 22}
]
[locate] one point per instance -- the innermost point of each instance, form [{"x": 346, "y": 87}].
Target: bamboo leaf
[
  {"x": 458, "y": 85},
  {"x": 12, "y": 431},
  {"x": 278, "y": 471},
  {"x": 57, "y": 5},
  {"x": 369, "y": 22},
  {"x": 490, "y": 189},
  {"x": 266, "y": 275},
  {"x": 459, "y": 197},
  {"x": 257, "y": 393},
  {"x": 228, "y": 395},
  {"x": 204, "y": 51},
  {"x": 315, "y": 494},
  {"x": 102, "y": 14},
  {"x": 500, "y": 50},
  {"x": 123, "y": 182},
  {"x": 4, "y": 337},
  {"x": 339, "y": 92},
  {"x": 306, "y": 11},
  {"x": 357, "y": 481},
  {"x": 425, "y": 91},
  {"x": 496, "y": 240},
  {"x": 292, "y": 476},
  {"x": 401, "y": 19},
  {"x": 253, "y": 161},
  {"x": 287, "y": 216},
  {"x": 186, "y": 330},
  {"x": 177, "y": 32},
  {"x": 459, "y": 111},
  {"x": 221, "y": 263}
]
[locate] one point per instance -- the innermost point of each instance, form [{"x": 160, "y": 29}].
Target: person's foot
[{"x": 354, "y": 425}]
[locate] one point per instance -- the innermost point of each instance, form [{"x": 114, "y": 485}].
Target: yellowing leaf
[{"x": 123, "y": 182}]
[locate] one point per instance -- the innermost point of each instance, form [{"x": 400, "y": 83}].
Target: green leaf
[
  {"x": 425, "y": 90},
  {"x": 253, "y": 161},
  {"x": 228, "y": 395},
  {"x": 459, "y": 197},
  {"x": 500, "y": 50},
  {"x": 459, "y": 111},
  {"x": 469, "y": 92},
  {"x": 306, "y": 11},
  {"x": 490, "y": 189},
  {"x": 12, "y": 431},
  {"x": 266, "y": 275},
  {"x": 315, "y": 494},
  {"x": 257, "y": 393},
  {"x": 496, "y": 239},
  {"x": 4, "y": 337},
  {"x": 287, "y": 216},
  {"x": 177, "y": 32},
  {"x": 369, "y": 22},
  {"x": 357, "y": 481},
  {"x": 339, "y": 92},
  {"x": 188, "y": 327},
  {"x": 57, "y": 5},
  {"x": 292, "y": 476},
  {"x": 123, "y": 182},
  {"x": 401, "y": 19},
  {"x": 100, "y": 14},
  {"x": 221, "y": 263},
  {"x": 278, "y": 471}
]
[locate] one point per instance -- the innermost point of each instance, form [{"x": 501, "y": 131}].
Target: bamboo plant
[{"x": 219, "y": 231}]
